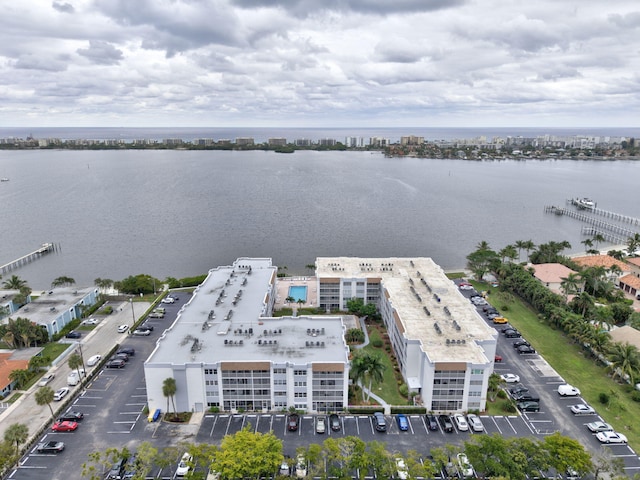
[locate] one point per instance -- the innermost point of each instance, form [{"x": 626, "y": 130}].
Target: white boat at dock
[
  {"x": 584, "y": 203},
  {"x": 4, "y": 179}
]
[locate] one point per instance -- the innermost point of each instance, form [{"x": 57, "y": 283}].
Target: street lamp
[{"x": 132, "y": 312}]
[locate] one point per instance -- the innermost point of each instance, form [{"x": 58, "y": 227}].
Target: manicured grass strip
[
  {"x": 573, "y": 364},
  {"x": 388, "y": 389}
]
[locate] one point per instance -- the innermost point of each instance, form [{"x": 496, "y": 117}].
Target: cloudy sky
[{"x": 323, "y": 63}]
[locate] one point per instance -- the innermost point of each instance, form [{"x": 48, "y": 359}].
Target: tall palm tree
[
  {"x": 14, "y": 283},
  {"x": 169, "y": 390},
  {"x": 598, "y": 238},
  {"x": 625, "y": 360},
  {"x": 17, "y": 433},
  {"x": 75, "y": 363},
  {"x": 367, "y": 367},
  {"x": 528, "y": 245},
  {"x": 44, "y": 396},
  {"x": 571, "y": 284},
  {"x": 62, "y": 281},
  {"x": 633, "y": 243}
]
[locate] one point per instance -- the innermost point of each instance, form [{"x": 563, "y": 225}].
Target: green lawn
[
  {"x": 388, "y": 389},
  {"x": 572, "y": 363}
]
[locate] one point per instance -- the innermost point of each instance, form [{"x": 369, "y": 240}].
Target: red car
[
  {"x": 64, "y": 426},
  {"x": 498, "y": 358}
]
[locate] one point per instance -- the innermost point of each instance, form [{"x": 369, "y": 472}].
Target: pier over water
[{"x": 28, "y": 258}]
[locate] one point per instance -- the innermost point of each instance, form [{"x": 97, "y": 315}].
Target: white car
[
  {"x": 597, "y": 427},
  {"x": 301, "y": 467},
  {"x": 123, "y": 328},
  {"x": 142, "y": 332},
  {"x": 461, "y": 423},
  {"x": 168, "y": 300},
  {"x": 510, "y": 378},
  {"x": 183, "y": 465},
  {"x": 567, "y": 390},
  {"x": 284, "y": 468},
  {"x": 611, "y": 437},
  {"x": 46, "y": 379},
  {"x": 90, "y": 321},
  {"x": 60, "y": 394},
  {"x": 401, "y": 468},
  {"x": 582, "y": 409},
  {"x": 466, "y": 469},
  {"x": 94, "y": 360},
  {"x": 475, "y": 423}
]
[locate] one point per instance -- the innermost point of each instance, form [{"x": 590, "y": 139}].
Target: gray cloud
[
  {"x": 337, "y": 61},
  {"x": 102, "y": 53},
  {"x": 63, "y": 7}
]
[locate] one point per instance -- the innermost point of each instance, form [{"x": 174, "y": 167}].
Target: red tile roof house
[
  {"x": 551, "y": 275},
  {"x": 634, "y": 265},
  {"x": 8, "y": 365},
  {"x": 605, "y": 261}
]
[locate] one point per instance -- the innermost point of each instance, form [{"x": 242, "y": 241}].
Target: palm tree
[
  {"x": 20, "y": 377},
  {"x": 75, "y": 363},
  {"x": 62, "y": 281},
  {"x": 571, "y": 284},
  {"x": 508, "y": 253},
  {"x": 17, "y": 433},
  {"x": 369, "y": 367},
  {"x": 289, "y": 299},
  {"x": 633, "y": 243},
  {"x": 169, "y": 390},
  {"x": 44, "y": 396},
  {"x": 528, "y": 245},
  {"x": 625, "y": 360},
  {"x": 598, "y": 238},
  {"x": 583, "y": 302},
  {"x": 14, "y": 283}
]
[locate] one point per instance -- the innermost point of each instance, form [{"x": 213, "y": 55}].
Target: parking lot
[{"x": 113, "y": 406}]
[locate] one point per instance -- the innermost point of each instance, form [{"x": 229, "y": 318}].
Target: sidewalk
[{"x": 100, "y": 341}]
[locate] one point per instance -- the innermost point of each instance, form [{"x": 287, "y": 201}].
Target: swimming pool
[{"x": 298, "y": 292}]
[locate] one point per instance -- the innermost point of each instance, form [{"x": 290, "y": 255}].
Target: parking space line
[
  {"x": 215, "y": 420},
  {"x": 509, "y": 423}
]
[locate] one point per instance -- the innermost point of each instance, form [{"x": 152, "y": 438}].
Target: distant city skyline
[{"x": 429, "y": 63}]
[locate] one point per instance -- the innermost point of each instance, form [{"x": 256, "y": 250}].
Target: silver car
[{"x": 475, "y": 423}]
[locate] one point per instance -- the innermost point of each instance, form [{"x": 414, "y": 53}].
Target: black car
[
  {"x": 528, "y": 406},
  {"x": 446, "y": 423},
  {"x": 128, "y": 350},
  {"x": 115, "y": 363},
  {"x": 131, "y": 468},
  {"x": 512, "y": 334},
  {"x": 506, "y": 329},
  {"x": 73, "y": 334},
  {"x": 71, "y": 417},
  {"x": 523, "y": 349},
  {"x": 432, "y": 423},
  {"x": 518, "y": 389},
  {"x": 334, "y": 421},
  {"x": 117, "y": 470},
  {"x": 489, "y": 309},
  {"x": 146, "y": 327},
  {"x": 121, "y": 356},
  {"x": 519, "y": 343}
]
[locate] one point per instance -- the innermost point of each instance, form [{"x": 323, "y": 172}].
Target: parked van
[{"x": 74, "y": 379}]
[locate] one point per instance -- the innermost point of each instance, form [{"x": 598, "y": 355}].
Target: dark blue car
[{"x": 403, "y": 422}]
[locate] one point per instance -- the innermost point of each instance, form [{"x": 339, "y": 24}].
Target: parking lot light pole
[{"x": 133, "y": 314}]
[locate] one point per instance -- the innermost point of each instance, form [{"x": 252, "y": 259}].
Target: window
[
  {"x": 279, "y": 370},
  {"x": 300, "y": 394},
  {"x": 477, "y": 371},
  {"x": 299, "y": 384},
  {"x": 210, "y": 371},
  {"x": 302, "y": 373}
]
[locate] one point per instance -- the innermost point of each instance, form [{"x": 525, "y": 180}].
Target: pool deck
[{"x": 282, "y": 289}]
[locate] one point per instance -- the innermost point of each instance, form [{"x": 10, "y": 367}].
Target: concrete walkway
[{"x": 100, "y": 340}]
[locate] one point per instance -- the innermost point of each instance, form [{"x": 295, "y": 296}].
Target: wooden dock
[
  {"x": 618, "y": 217},
  {"x": 28, "y": 258},
  {"x": 618, "y": 232}
]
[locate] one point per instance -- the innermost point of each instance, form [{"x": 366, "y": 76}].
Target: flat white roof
[
  {"x": 422, "y": 297},
  {"x": 199, "y": 336},
  {"x": 52, "y": 303}
]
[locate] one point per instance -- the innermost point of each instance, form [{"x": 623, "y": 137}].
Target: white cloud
[{"x": 336, "y": 62}]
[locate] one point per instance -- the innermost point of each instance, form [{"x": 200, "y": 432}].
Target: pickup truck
[{"x": 50, "y": 447}]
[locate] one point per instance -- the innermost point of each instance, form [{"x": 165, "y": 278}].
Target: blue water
[
  {"x": 298, "y": 292},
  {"x": 180, "y": 213}
]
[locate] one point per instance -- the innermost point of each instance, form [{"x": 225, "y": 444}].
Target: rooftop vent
[
  {"x": 426, "y": 310},
  {"x": 437, "y": 327},
  {"x": 446, "y": 310}
]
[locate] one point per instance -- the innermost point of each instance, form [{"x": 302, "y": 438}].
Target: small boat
[
  {"x": 585, "y": 203},
  {"x": 4, "y": 179}
]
